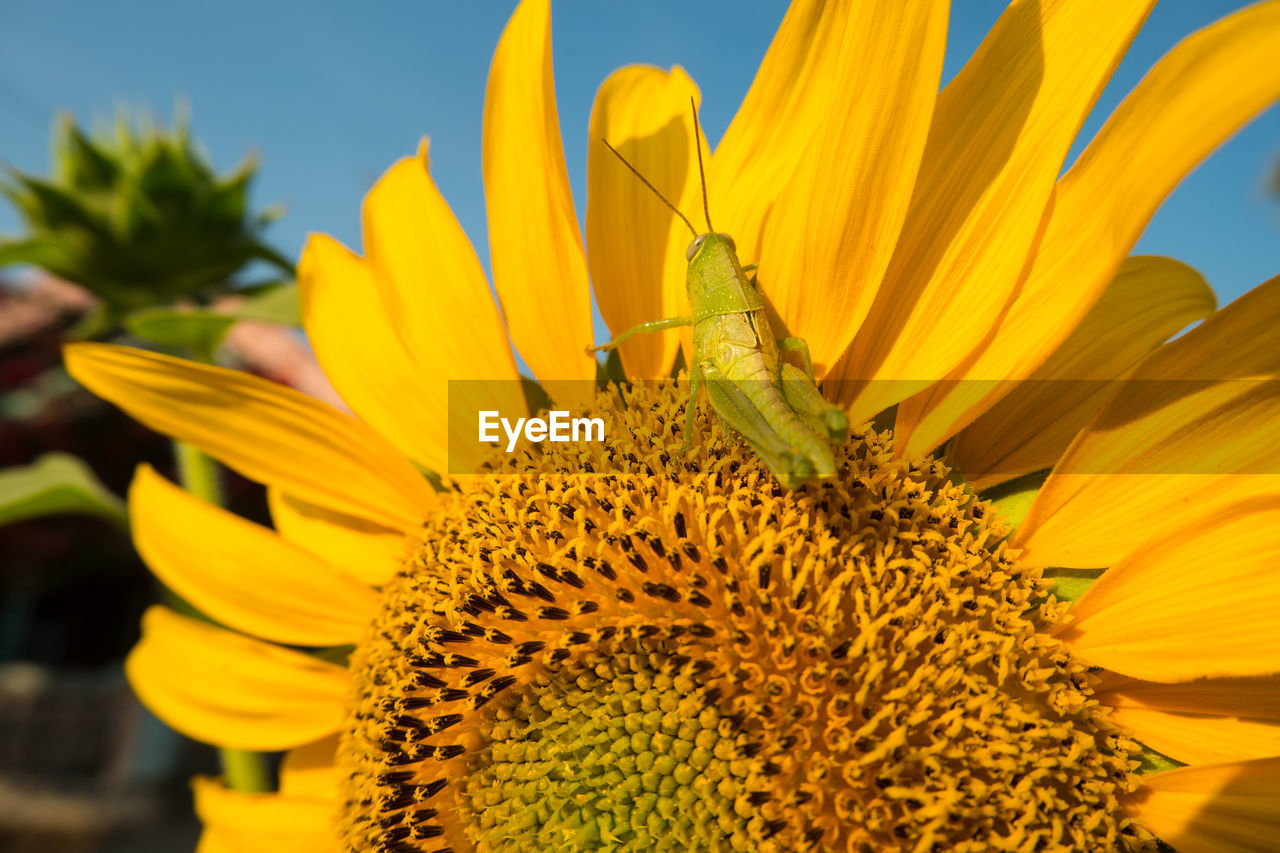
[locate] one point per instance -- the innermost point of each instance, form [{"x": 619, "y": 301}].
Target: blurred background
[{"x": 162, "y": 165}]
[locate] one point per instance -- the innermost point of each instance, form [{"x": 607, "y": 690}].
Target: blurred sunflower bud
[{"x": 138, "y": 216}]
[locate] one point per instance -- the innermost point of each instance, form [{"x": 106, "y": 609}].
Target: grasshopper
[{"x": 776, "y": 408}]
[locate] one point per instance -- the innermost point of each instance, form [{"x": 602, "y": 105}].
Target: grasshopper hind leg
[
  {"x": 801, "y": 346},
  {"x": 803, "y": 396},
  {"x": 739, "y": 413}
]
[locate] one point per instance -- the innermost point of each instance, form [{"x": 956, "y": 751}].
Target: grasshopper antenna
[
  {"x": 697, "y": 146},
  {"x": 645, "y": 181}
]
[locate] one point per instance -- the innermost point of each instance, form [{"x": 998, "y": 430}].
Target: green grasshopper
[{"x": 776, "y": 408}]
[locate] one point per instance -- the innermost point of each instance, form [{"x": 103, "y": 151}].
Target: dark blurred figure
[{"x": 83, "y": 767}]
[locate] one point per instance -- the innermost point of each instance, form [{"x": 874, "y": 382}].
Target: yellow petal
[
  {"x": 1150, "y": 300},
  {"x": 1201, "y": 738},
  {"x": 231, "y": 690},
  {"x": 1206, "y": 721},
  {"x": 1190, "y": 102},
  {"x": 999, "y": 136},
  {"x": 539, "y": 270},
  {"x": 242, "y": 575},
  {"x": 236, "y": 822},
  {"x": 267, "y": 432},
  {"x": 311, "y": 770},
  {"x": 1189, "y": 433},
  {"x": 1219, "y": 808},
  {"x": 634, "y": 244},
  {"x": 357, "y": 345},
  {"x": 1198, "y": 603},
  {"x": 437, "y": 296},
  {"x": 367, "y": 551},
  {"x": 784, "y": 108},
  {"x": 828, "y": 241}
]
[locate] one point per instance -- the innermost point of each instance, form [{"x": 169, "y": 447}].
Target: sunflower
[{"x": 676, "y": 653}]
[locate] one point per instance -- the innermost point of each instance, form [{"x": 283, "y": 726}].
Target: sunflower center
[
  {"x": 678, "y": 654},
  {"x": 617, "y": 749}
]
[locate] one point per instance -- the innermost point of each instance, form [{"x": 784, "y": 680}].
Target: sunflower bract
[{"x": 138, "y": 217}]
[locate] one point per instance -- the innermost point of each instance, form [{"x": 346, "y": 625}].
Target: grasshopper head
[{"x": 713, "y": 238}]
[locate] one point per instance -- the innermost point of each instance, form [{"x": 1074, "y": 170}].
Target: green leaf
[
  {"x": 96, "y": 322},
  {"x": 340, "y": 655},
  {"x": 263, "y": 252},
  {"x": 201, "y": 331},
  {"x": 535, "y": 396},
  {"x": 1070, "y": 584},
  {"x": 1013, "y": 499},
  {"x": 270, "y": 214},
  {"x": 885, "y": 420},
  {"x": 80, "y": 162},
  {"x": 56, "y": 483},
  {"x": 54, "y": 207},
  {"x": 40, "y": 252},
  {"x": 229, "y": 196},
  {"x": 253, "y": 289},
  {"x": 1154, "y": 762},
  {"x": 279, "y": 304}
]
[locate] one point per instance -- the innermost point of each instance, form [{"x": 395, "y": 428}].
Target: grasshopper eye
[{"x": 694, "y": 247}]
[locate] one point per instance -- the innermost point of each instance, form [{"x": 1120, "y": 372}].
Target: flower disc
[{"x": 678, "y": 654}]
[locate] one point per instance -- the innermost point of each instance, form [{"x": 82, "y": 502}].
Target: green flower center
[
  {"x": 678, "y": 654},
  {"x": 617, "y": 752}
]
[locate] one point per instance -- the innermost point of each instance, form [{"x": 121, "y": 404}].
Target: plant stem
[
  {"x": 243, "y": 770},
  {"x": 198, "y": 472}
]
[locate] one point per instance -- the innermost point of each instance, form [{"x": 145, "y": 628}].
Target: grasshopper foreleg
[
  {"x": 801, "y": 346},
  {"x": 644, "y": 328},
  {"x": 691, "y": 408}
]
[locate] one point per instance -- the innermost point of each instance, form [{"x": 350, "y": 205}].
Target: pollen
[{"x": 611, "y": 646}]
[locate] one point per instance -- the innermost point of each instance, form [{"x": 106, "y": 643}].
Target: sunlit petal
[
  {"x": 785, "y": 106},
  {"x": 376, "y": 377},
  {"x": 1149, "y": 301},
  {"x": 236, "y": 822},
  {"x": 832, "y": 231},
  {"x": 267, "y": 432},
  {"x": 1204, "y": 90},
  {"x": 230, "y": 690},
  {"x": 635, "y": 245},
  {"x": 312, "y": 770},
  {"x": 1219, "y": 808},
  {"x": 539, "y": 270},
  {"x": 244, "y": 576},
  {"x": 1190, "y": 433},
  {"x": 365, "y": 550},
  {"x": 1000, "y": 133},
  {"x": 1201, "y": 603},
  {"x": 1205, "y": 721},
  {"x": 436, "y": 294}
]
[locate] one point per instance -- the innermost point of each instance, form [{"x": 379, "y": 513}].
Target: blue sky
[{"x": 330, "y": 93}]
